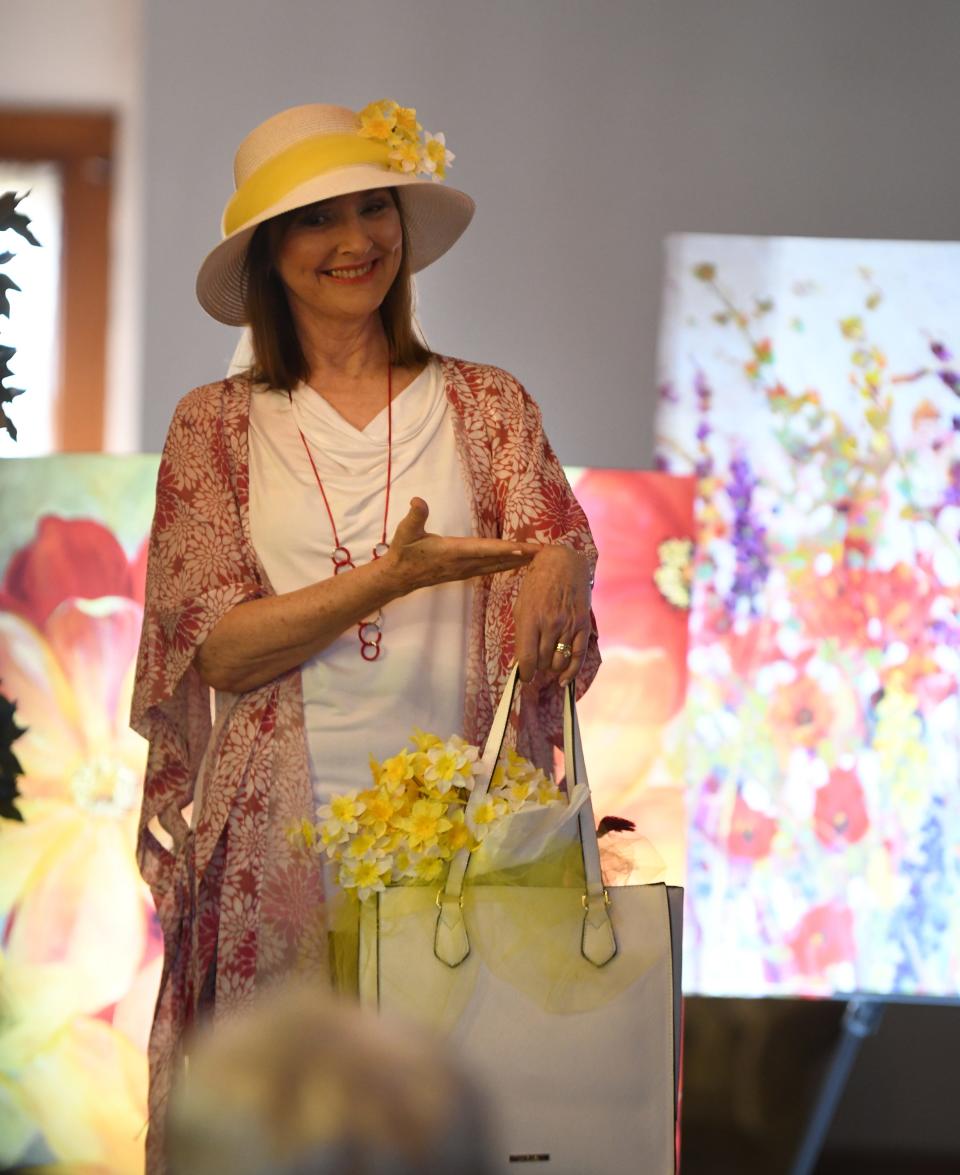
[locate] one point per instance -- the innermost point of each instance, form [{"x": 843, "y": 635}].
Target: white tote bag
[{"x": 561, "y": 1000}]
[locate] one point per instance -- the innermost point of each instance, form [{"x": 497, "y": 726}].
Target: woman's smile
[{"x": 353, "y": 274}]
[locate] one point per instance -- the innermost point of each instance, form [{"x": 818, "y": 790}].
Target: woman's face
[{"x": 338, "y": 258}]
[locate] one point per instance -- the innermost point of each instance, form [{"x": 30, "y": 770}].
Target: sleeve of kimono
[
  {"x": 197, "y": 571},
  {"x": 536, "y": 503}
]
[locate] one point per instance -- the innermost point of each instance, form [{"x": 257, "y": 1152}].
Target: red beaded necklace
[{"x": 369, "y": 629}]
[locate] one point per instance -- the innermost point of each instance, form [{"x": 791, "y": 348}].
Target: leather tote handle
[{"x": 598, "y": 942}]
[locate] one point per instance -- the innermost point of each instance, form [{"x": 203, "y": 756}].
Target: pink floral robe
[{"x": 236, "y": 902}]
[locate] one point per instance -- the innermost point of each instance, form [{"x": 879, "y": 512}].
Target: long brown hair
[{"x": 278, "y": 358}]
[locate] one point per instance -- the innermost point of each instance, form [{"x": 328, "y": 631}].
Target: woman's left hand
[{"x": 552, "y": 614}]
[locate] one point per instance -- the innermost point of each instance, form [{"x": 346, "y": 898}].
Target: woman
[{"x": 280, "y": 577}]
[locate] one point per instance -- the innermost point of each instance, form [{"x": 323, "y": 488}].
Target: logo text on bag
[{"x": 529, "y": 1158}]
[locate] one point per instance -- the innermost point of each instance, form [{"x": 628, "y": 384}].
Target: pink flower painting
[{"x": 81, "y": 953}]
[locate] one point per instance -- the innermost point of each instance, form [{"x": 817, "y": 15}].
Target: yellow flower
[
  {"x": 547, "y": 791},
  {"x": 339, "y": 818},
  {"x": 407, "y": 121},
  {"x": 377, "y": 121},
  {"x": 437, "y": 157},
  {"x": 428, "y": 869},
  {"x": 426, "y": 824},
  {"x": 423, "y": 740},
  {"x": 489, "y": 809},
  {"x": 459, "y": 836},
  {"x": 395, "y": 772},
  {"x": 450, "y": 765},
  {"x": 380, "y": 810},
  {"x": 405, "y": 155},
  {"x": 361, "y": 847},
  {"x": 366, "y": 877}
]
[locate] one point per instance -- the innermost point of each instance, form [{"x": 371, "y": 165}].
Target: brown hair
[{"x": 278, "y": 358}]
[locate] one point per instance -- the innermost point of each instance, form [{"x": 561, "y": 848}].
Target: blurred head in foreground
[{"x": 304, "y": 1083}]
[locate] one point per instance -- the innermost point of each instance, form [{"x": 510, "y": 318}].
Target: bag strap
[{"x": 598, "y": 941}]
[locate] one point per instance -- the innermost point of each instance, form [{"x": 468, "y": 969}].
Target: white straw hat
[{"x": 311, "y": 153}]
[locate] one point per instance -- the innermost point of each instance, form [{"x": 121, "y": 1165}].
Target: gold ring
[{"x": 566, "y": 650}]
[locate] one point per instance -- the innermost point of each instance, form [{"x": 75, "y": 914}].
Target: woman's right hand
[{"x": 419, "y": 559}]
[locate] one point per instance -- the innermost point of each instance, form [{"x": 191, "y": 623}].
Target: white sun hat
[{"x": 315, "y": 152}]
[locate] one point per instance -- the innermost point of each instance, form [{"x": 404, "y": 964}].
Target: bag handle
[{"x": 598, "y": 941}]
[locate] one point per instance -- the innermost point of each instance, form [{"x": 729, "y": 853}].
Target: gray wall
[{"x": 586, "y": 132}]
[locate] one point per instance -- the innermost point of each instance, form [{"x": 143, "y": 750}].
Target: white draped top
[{"x": 353, "y": 707}]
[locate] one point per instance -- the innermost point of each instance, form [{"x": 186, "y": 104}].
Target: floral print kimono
[{"x": 237, "y": 903}]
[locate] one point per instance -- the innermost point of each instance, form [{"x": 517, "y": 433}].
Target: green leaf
[
  {"x": 6, "y": 284},
  {"x": 10, "y": 218}
]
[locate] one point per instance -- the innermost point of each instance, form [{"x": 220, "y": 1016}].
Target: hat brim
[{"x": 434, "y": 214}]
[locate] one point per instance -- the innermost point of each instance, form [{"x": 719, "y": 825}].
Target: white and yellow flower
[
  {"x": 340, "y": 818},
  {"x": 436, "y": 156}
]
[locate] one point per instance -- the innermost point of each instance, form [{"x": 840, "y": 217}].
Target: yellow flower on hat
[
  {"x": 437, "y": 157},
  {"x": 407, "y": 123},
  {"x": 378, "y": 120},
  {"x": 406, "y": 154}
]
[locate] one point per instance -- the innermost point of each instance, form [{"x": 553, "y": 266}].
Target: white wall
[
  {"x": 87, "y": 54},
  {"x": 586, "y": 131}
]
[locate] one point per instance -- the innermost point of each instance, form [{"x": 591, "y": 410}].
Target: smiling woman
[{"x": 287, "y": 573}]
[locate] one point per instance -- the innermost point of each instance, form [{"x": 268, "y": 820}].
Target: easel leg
[{"x": 861, "y": 1018}]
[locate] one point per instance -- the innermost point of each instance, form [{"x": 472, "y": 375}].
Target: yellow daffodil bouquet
[{"x": 406, "y": 827}]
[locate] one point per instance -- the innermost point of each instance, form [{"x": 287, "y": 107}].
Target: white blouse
[{"x": 353, "y": 707}]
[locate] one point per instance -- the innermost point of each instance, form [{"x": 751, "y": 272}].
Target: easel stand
[{"x": 861, "y": 1018}]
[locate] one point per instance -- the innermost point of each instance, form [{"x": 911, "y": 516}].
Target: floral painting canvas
[
  {"x": 81, "y": 953},
  {"x": 632, "y": 718},
  {"x": 812, "y": 388}
]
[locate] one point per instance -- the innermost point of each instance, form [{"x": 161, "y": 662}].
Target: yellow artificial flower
[
  {"x": 378, "y": 120},
  {"x": 407, "y": 121},
  {"x": 380, "y": 810},
  {"x": 406, "y": 155},
  {"x": 459, "y": 836},
  {"x": 450, "y": 765},
  {"x": 366, "y": 877},
  {"x": 489, "y": 809},
  {"x": 547, "y": 790},
  {"x": 426, "y": 823},
  {"x": 437, "y": 157},
  {"x": 339, "y": 818},
  {"x": 361, "y": 847},
  {"x": 428, "y": 869},
  {"x": 397, "y": 771},
  {"x": 423, "y": 740}
]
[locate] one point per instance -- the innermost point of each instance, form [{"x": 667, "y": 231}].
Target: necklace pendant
[
  {"x": 370, "y": 637},
  {"x": 342, "y": 560},
  {"x": 380, "y": 550}
]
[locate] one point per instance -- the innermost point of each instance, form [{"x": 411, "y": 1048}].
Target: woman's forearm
[{"x": 257, "y": 641}]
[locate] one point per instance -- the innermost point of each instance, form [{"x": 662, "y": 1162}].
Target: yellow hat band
[{"x": 295, "y": 166}]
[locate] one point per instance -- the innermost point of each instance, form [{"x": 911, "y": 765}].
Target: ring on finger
[{"x": 565, "y": 650}]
